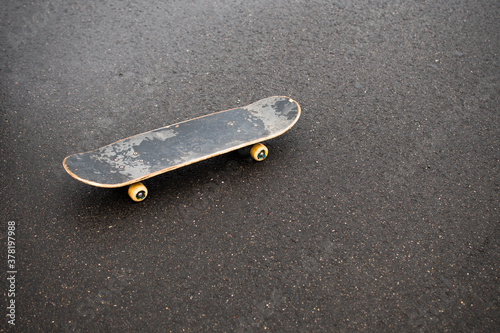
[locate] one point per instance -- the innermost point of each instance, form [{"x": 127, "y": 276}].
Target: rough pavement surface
[{"x": 378, "y": 211}]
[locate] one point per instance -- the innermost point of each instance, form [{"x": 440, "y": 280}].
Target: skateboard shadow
[{"x": 178, "y": 195}]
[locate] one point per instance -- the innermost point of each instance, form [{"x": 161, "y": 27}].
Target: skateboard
[{"x": 136, "y": 158}]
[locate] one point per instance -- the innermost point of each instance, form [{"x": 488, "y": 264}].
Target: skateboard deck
[{"x": 145, "y": 155}]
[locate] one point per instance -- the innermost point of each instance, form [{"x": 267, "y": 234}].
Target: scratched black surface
[{"x": 183, "y": 143}]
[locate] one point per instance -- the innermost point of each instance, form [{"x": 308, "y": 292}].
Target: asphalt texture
[{"x": 377, "y": 212}]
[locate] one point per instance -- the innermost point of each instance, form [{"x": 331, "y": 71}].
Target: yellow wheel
[
  {"x": 137, "y": 192},
  {"x": 259, "y": 152}
]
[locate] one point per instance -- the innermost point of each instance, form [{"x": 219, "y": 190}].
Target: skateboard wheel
[
  {"x": 137, "y": 192},
  {"x": 259, "y": 152}
]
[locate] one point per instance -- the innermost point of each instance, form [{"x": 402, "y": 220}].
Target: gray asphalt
[{"x": 377, "y": 212}]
